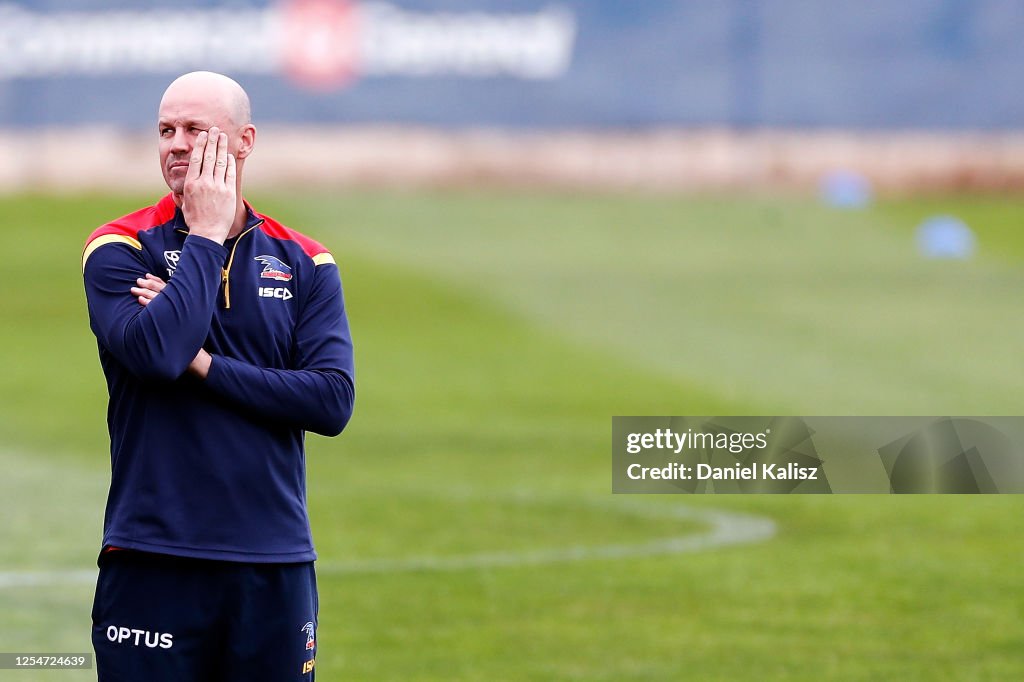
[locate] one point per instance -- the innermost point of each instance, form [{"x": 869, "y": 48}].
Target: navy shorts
[{"x": 160, "y": 617}]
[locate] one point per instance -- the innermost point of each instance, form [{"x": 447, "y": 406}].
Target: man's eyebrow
[{"x": 164, "y": 122}]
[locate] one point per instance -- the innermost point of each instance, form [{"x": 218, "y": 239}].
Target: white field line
[
  {"x": 46, "y": 578},
  {"x": 723, "y": 529}
]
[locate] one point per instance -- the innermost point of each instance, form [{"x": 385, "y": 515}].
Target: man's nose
[{"x": 180, "y": 143}]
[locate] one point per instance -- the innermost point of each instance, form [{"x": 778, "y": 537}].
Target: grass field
[{"x": 496, "y": 335}]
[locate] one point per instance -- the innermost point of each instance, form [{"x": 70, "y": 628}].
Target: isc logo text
[{"x": 275, "y": 292}]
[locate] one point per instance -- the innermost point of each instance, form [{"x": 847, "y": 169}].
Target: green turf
[{"x": 496, "y": 334}]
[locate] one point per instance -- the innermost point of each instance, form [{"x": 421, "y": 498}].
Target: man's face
[{"x": 183, "y": 115}]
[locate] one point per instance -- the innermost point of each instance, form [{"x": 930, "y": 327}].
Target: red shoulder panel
[
  {"x": 130, "y": 225},
  {"x": 278, "y": 231}
]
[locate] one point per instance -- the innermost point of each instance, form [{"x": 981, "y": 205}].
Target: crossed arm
[
  {"x": 147, "y": 289},
  {"x": 151, "y": 330}
]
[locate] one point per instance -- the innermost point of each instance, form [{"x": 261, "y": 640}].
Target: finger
[
  {"x": 143, "y": 301},
  {"x": 195, "y": 163},
  {"x": 153, "y": 285},
  {"x": 210, "y": 154},
  {"x": 222, "y": 158},
  {"x": 154, "y": 278},
  {"x": 143, "y": 293},
  {"x": 229, "y": 174}
]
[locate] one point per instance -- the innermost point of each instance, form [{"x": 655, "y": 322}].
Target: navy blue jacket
[{"x": 215, "y": 468}]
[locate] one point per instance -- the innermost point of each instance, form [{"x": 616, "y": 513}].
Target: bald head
[
  {"x": 197, "y": 102},
  {"x": 212, "y": 90}
]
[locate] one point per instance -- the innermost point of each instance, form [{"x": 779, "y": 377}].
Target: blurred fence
[
  {"x": 660, "y": 94},
  {"x": 947, "y": 64}
]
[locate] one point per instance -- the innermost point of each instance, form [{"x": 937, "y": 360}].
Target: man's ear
[{"x": 245, "y": 147}]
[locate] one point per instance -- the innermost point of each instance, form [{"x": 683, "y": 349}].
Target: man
[{"x": 215, "y": 368}]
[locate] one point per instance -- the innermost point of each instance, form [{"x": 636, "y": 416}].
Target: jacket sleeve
[
  {"x": 157, "y": 341},
  {"x": 318, "y": 394}
]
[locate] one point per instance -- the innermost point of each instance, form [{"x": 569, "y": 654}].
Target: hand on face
[{"x": 209, "y": 200}]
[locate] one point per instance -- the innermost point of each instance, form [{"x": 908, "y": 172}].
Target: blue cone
[{"x": 945, "y": 237}]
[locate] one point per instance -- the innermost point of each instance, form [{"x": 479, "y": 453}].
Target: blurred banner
[
  {"x": 945, "y": 64},
  {"x": 818, "y": 455}
]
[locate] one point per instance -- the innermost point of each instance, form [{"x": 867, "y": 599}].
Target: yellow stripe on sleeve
[
  {"x": 323, "y": 259},
  {"x": 108, "y": 239}
]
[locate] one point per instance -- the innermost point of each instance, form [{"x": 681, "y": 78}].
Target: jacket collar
[{"x": 251, "y": 219}]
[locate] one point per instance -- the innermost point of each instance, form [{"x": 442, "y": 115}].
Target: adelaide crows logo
[
  {"x": 308, "y": 628},
  {"x": 274, "y": 268}
]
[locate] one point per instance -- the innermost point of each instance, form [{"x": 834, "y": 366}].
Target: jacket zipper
[{"x": 226, "y": 271}]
